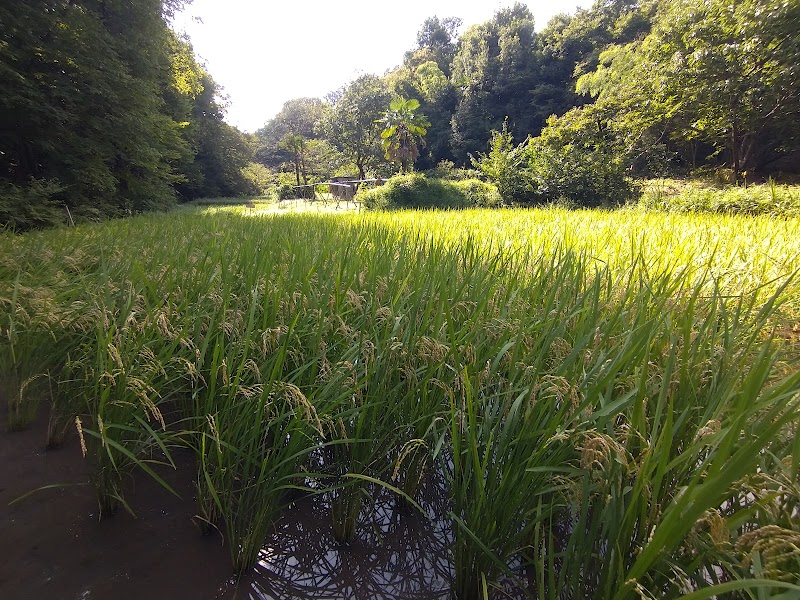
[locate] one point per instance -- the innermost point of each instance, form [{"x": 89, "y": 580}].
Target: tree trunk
[
  {"x": 746, "y": 153},
  {"x": 735, "y": 153},
  {"x": 303, "y": 168}
]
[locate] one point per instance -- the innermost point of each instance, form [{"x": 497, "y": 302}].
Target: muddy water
[
  {"x": 395, "y": 554},
  {"x": 399, "y": 553},
  {"x": 53, "y": 546}
]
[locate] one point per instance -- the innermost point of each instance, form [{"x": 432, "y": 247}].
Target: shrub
[
  {"x": 505, "y": 166},
  {"x": 479, "y": 193},
  {"x": 258, "y": 179},
  {"x": 285, "y": 191},
  {"x": 31, "y": 207},
  {"x": 417, "y": 191},
  {"x": 581, "y": 158},
  {"x": 765, "y": 199}
]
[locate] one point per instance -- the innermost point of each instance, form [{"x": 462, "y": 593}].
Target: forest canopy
[{"x": 106, "y": 111}]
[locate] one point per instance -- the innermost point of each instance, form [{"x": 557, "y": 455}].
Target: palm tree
[{"x": 403, "y": 131}]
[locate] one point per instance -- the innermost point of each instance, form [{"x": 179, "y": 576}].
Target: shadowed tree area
[{"x": 105, "y": 111}]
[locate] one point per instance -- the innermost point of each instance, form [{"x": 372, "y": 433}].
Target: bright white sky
[{"x": 265, "y": 52}]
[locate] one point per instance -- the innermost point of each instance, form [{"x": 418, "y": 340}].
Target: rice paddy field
[{"x": 547, "y": 404}]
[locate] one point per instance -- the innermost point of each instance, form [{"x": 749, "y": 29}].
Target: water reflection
[{"x": 398, "y": 553}]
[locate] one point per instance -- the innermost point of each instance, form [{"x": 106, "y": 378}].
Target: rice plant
[{"x": 610, "y": 398}]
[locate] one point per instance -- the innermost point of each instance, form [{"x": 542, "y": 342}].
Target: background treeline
[
  {"x": 577, "y": 111},
  {"x": 104, "y": 111}
]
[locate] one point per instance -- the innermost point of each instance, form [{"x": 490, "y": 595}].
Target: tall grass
[
  {"x": 778, "y": 200},
  {"x": 610, "y": 398}
]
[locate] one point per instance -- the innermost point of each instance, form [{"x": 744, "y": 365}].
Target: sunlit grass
[
  {"x": 674, "y": 195},
  {"x": 323, "y": 203},
  {"x": 610, "y": 397}
]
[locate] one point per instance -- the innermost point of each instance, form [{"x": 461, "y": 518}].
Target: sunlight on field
[
  {"x": 622, "y": 379},
  {"x": 286, "y": 207}
]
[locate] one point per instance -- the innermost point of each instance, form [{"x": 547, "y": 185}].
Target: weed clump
[
  {"x": 698, "y": 197},
  {"x": 418, "y": 191}
]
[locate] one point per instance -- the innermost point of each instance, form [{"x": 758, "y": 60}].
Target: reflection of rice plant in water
[
  {"x": 250, "y": 461},
  {"x": 609, "y": 401},
  {"x": 393, "y": 556}
]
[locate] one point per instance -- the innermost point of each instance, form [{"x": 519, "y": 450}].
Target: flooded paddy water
[{"x": 54, "y": 545}]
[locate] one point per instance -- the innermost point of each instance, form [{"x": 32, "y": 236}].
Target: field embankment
[{"x": 696, "y": 196}]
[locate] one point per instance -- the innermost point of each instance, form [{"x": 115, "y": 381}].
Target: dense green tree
[
  {"x": 420, "y": 77},
  {"x": 425, "y": 75},
  {"x": 438, "y": 37},
  {"x": 222, "y": 154},
  {"x": 581, "y": 157},
  {"x": 216, "y": 151},
  {"x": 494, "y": 70},
  {"x": 81, "y": 103},
  {"x": 351, "y": 124},
  {"x": 403, "y": 132},
  {"x": 717, "y": 73},
  {"x": 732, "y": 74},
  {"x": 576, "y": 41},
  {"x": 182, "y": 98},
  {"x": 104, "y": 111},
  {"x": 570, "y": 45},
  {"x": 300, "y": 116},
  {"x": 296, "y": 146},
  {"x": 324, "y": 160}
]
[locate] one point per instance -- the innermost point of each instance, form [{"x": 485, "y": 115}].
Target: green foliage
[
  {"x": 418, "y": 191},
  {"x": 431, "y": 82},
  {"x": 580, "y": 158},
  {"x": 446, "y": 169},
  {"x": 104, "y": 102},
  {"x": 403, "y": 132},
  {"x": 351, "y": 124},
  {"x": 259, "y": 180},
  {"x": 711, "y": 73},
  {"x": 216, "y": 152},
  {"x": 736, "y": 81},
  {"x": 296, "y": 146},
  {"x": 505, "y": 166},
  {"x": 479, "y": 193},
  {"x": 300, "y": 116},
  {"x": 494, "y": 71},
  {"x": 764, "y": 199},
  {"x": 286, "y": 191},
  {"x": 439, "y": 37},
  {"x": 421, "y": 76},
  {"x": 324, "y": 160},
  {"x": 222, "y": 153},
  {"x": 82, "y": 104},
  {"x": 31, "y": 206}
]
